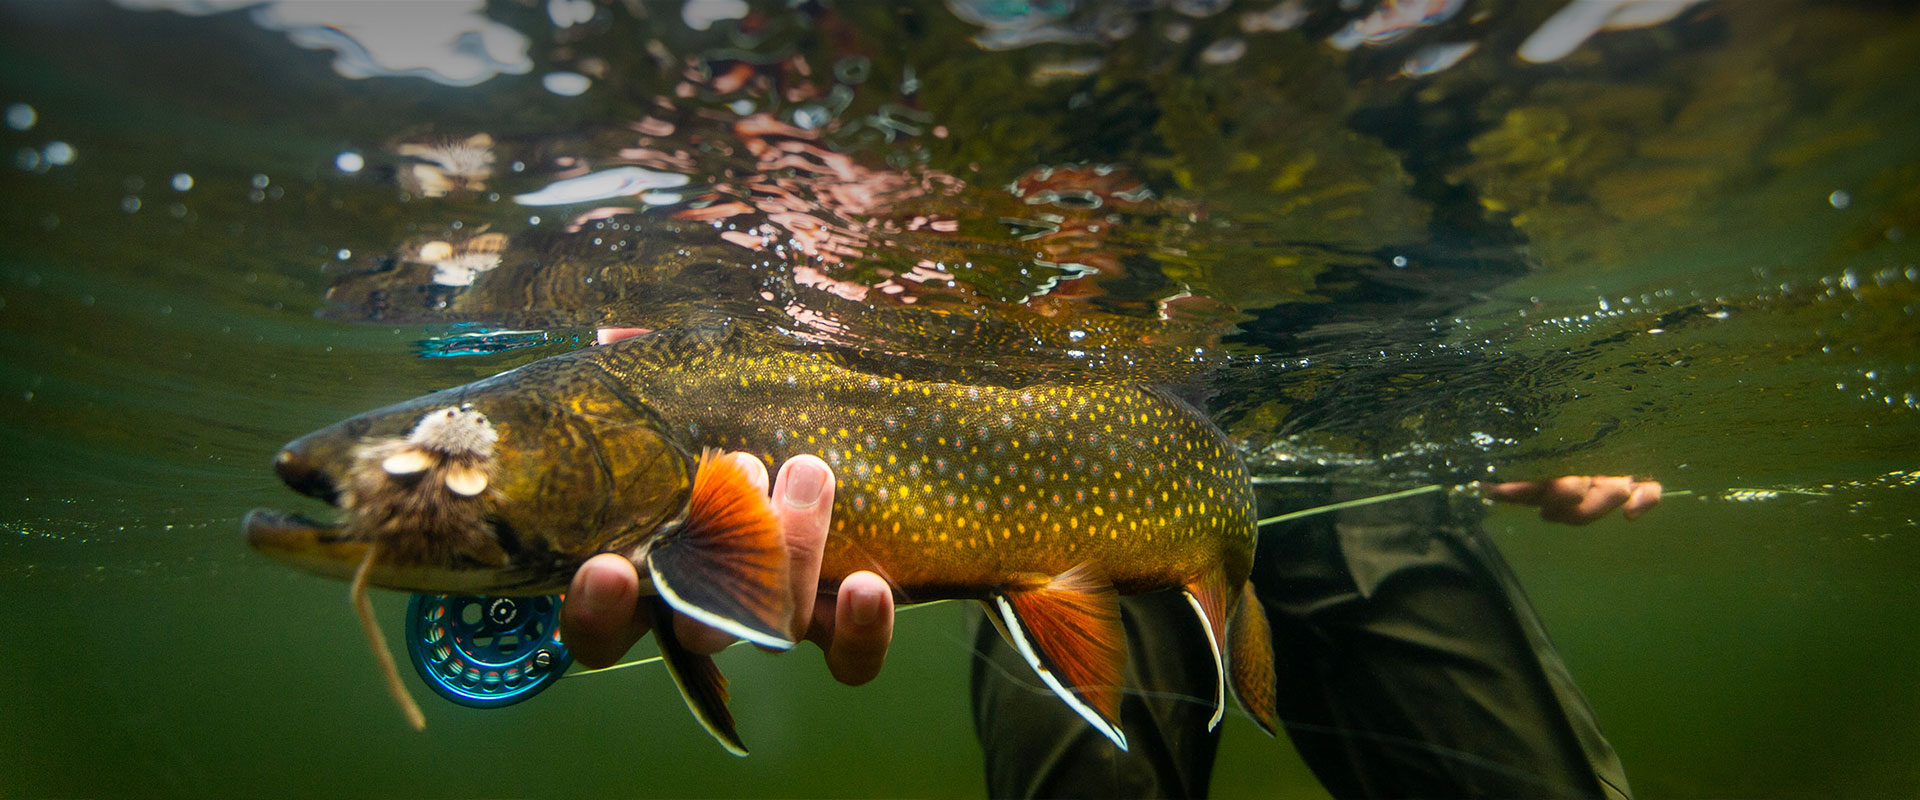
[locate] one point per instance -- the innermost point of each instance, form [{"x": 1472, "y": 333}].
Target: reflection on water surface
[{"x": 1398, "y": 242}]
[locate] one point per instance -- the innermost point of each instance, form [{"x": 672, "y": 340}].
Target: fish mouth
[
  {"x": 339, "y": 549},
  {"x": 318, "y": 547},
  {"x": 325, "y": 548}
]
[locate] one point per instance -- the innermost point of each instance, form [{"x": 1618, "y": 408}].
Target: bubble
[
  {"x": 1840, "y": 199},
  {"x": 566, "y": 84},
  {"x": 58, "y": 153},
  {"x": 343, "y": 254},
  {"x": 568, "y": 13},
  {"x": 349, "y": 162},
  {"x": 1225, "y": 51},
  {"x": 129, "y": 204},
  {"x": 260, "y": 180},
  {"x": 181, "y": 181},
  {"x": 701, "y": 14},
  {"x": 811, "y": 117},
  {"x": 21, "y": 116},
  {"x": 1200, "y": 8}
]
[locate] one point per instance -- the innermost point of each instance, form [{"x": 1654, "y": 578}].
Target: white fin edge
[
  {"x": 1018, "y": 633},
  {"x": 700, "y": 714},
  {"x": 713, "y": 620},
  {"x": 1219, "y": 666}
]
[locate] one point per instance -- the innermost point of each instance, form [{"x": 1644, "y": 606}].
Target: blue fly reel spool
[{"x": 486, "y": 652}]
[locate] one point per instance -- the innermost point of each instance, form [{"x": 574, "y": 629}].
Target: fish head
[{"x": 503, "y": 486}]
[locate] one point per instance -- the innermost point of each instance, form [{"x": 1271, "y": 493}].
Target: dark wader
[{"x": 1410, "y": 664}]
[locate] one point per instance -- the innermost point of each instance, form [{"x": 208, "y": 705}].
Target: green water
[{"x": 1642, "y": 265}]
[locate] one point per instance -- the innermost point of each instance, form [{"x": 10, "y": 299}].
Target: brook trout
[{"x": 1044, "y": 501}]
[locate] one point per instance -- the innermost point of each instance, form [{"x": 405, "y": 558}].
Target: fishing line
[
  {"x": 1291, "y": 515},
  {"x": 1364, "y": 501},
  {"x": 737, "y": 642},
  {"x": 1392, "y": 496}
]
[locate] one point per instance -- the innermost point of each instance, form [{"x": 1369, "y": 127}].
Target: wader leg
[{"x": 1411, "y": 664}]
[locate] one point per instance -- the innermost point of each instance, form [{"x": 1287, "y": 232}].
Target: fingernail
[
  {"x": 866, "y": 607},
  {"x": 803, "y": 484}
]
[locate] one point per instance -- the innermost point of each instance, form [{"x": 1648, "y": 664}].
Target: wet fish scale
[{"x": 946, "y": 489}]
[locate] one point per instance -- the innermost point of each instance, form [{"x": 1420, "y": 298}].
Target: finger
[
  {"x": 755, "y": 468},
  {"x": 700, "y": 638},
  {"x": 1560, "y": 498},
  {"x": 862, "y": 629},
  {"x": 1567, "y": 490},
  {"x": 803, "y": 502},
  {"x": 1607, "y": 494},
  {"x": 693, "y": 635},
  {"x": 1526, "y": 493},
  {"x": 1646, "y": 495},
  {"x": 600, "y": 620},
  {"x": 1603, "y": 494}
]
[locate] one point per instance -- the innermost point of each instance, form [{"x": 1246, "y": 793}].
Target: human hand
[
  {"x": 1579, "y": 499},
  {"x": 601, "y": 618}
]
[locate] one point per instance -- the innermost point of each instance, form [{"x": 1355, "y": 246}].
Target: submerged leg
[{"x": 1410, "y": 663}]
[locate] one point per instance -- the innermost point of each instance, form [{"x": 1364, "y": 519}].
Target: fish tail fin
[
  {"x": 1251, "y": 642},
  {"x": 1068, "y": 629},
  {"x": 699, "y": 680},
  {"x": 1210, "y": 600}
]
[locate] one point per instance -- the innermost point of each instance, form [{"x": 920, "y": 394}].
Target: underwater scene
[{"x": 1384, "y": 247}]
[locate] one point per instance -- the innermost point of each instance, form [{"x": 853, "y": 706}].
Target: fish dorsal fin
[
  {"x": 1208, "y": 596},
  {"x": 727, "y": 566},
  {"x": 699, "y": 680},
  {"x": 1068, "y": 629},
  {"x": 1251, "y": 642}
]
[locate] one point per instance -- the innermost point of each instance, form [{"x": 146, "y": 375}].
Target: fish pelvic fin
[
  {"x": 1251, "y": 643},
  {"x": 698, "y": 678},
  {"x": 1068, "y": 629},
  {"x": 727, "y": 566},
  {"x": 1210, "y": 600}
]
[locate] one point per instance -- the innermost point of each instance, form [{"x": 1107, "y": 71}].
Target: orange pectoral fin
[
  {"x": 1069, "y": 632},
  {"x": 700, "y": 682},
  {"x": 727, "y": 567},
  {"x": 1208, "y": 596},
  {"x": 1251, "y": 641}
]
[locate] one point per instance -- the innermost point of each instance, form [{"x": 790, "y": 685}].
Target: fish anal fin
[
  {"x": 698, "y": 678},
  {"x": 727, "y": 566},
  {"x": 1251, "y": 645},
  {"x": 1210, "y": 600},
  {"x": 1068, "y": 629}
]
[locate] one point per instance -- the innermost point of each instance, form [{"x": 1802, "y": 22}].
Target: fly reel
[{"x": 486, "y": 652}]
